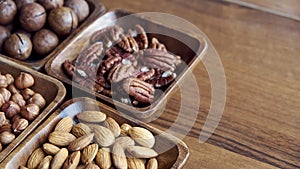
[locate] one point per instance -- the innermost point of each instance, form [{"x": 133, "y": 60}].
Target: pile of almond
[{"x": 95, "y": 142}]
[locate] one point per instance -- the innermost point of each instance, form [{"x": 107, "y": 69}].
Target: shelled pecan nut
[
  {"x": 155, "y": 44},
  {"x": 108, "y": 64},
  {"x": 144, "y": 76},
  {"x": 88, "y": 83},
  {"x": 141, "y": 91},
  {"x": 159, "y": 59},
  {"x": 91, "y": 56},
  {"x": 120, "y": 72},
  {"x": 162, "y": 78},
  {"x": 108, "y": 35},
  {"x": 141, "y": 37},
  {"x": 128, "y": 43},
  {"x": 69, "y": 68}
]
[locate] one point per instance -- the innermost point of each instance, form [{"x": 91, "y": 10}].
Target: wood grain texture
[
  {"x": 286, "y": 8},
  {"x": 260, "y": 56}
]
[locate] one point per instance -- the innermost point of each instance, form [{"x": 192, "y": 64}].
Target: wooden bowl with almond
[{"x": 84, "y": 133}]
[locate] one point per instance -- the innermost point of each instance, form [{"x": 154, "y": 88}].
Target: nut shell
[
  {"x": 8, "y": 10},
  {"x": 18, "y": 46},
  {"x": 4, "y": 33},
  {"x": 33, "y": 17},
  {"x": 80, "y": 7},
  {"x": 44, "y": 41},
  {"x": 63, "y": 20},
  {"x": 21, "y": 3},
  {"x": 51, "y": 4}
]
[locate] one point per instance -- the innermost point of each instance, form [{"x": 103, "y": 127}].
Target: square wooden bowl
[
  {"x": 176, "y": 45},
  {"x": 96, "y": 10},
  {"x": 174, "y": 158},
  {"x": 51, "y": 89}
]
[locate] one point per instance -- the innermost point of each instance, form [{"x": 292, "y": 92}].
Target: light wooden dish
[
  {"x": 96, "y": 10},
  {"x": 52, "y": 90},
  {"x": 174, "y": 158},
  {"x": 175, "y": 45}
]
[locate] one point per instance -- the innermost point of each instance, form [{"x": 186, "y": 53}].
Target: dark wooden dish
[
  {"x": 96, "y": 10},
  {"x": 173, "y": 158},
  {"x": 52, "y": 90},
  {"x": 175, "y": 45}
]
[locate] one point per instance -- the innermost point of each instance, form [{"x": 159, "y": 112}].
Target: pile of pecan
[{"x": 125, "y": 66}]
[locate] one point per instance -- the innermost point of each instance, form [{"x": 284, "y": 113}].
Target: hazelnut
[
  {"x": 51, "y": 4},
  {"x": 12, "y": 88},
  {"x": 6, "y": 137},
  {"x": 8, "y": 10},
  {"x": 24, "y": 80},
  {"x": 21, "y": 3},
  {"x": 30, "y": 111},
  {"x": 19, "y": 125},
  {"x": 16, "y": 117},
  {"x": 18, "y": 98},
  {"x": 37, "y": 99},
  {"x": 3, "y": 81},
  {"x": 80, "y": 7},
  {"x": 4, "y": 33},
  {"x": 33, "y": 17},
  {"x": 44, "y": 41},
  {"x": 27, "y": 93},
  {"x": 2, "y": 101},
  {"x": 18, "y": 46},
  {"x": 10, "y": 109},
  {"x": 5, "y": 93},
  {"x": 10, "y": 79},
  {"x": 6, "y": 127},
  {"x": 1, "y": 147},
  {"x": 2, "y": 119},
  {"x": 62, "y": 20}
]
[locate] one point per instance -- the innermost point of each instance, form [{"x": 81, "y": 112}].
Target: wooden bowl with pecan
[
  {"x": 133, "y": 67},
  {"x": 47, "y": 39}
]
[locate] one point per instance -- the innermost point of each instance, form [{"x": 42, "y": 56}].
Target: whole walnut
[
  {"x": 33, "y": 17},
  {"x": 44, "y": 41},
  {"x": 21, "y": 3},
  {"x": 80, "y": 7},
  {"x": 4, "y": 33},
  {"x": 8, "y": 10},
  {"x": 63, "y": 20},
  {"x": 18, "y": 46},
  {"x": 51, "y": 4}
]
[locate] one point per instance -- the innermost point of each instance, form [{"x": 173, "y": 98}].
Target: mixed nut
[
  {"x": 128, "y": 67},
  {"x": 35, "y": 27},
  {"x": 19, "y": 105},
  {"x": 95, "y": 142}
]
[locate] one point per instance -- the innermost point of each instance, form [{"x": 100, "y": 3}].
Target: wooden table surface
[{"x": 260, "y": 53}]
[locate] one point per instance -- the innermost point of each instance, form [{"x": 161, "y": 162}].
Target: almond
[
  {"x": 72, "y": 161},
  {"x": 50, "y": 149},
  {"x": 135, "y": 163},
  {"x": 103, "y": 158},
  {"x": 152, "y": 164},
  {"x": 81, "y": 142},
  {"x": 59, "y": 159},
  {"x": 80, "y": 129},
  {"x": 45, "y": 163},
  {"x": 89, "y": 153},
  {"x": 118, "y": 156},
  {"x": 141, "y": 152},
  {"x": 59, "y": 138},
  {"x": 81, "y": 166},
  {"x": 125, "y": 141},
  {"x": 35, "y": 158},
  {"x": 22, "y": 167},
  {"x": 104, "y": 137},
  {"x": 111, "y": 124},
  {"x": 142, "y": 136},
  {"x": 124, "y": 129},
  {"x": 92, "y": 166},
  {"x": 91, "y": 116},
  {"x": 64, "y": 125}
]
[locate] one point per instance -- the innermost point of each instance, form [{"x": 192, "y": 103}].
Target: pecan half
[
  {"x": 69, "y": 68},
  {"x": 159, "y": 59},
  {"x": 120, "y": 72},
  {"x": 155, "y": 44},
  {"x": 161, "y": 79},
  {"x": 141, "y": 91},
  {"x": 128, "y": 43},
  {"x": 144, "y": 76},
  {"x": 108, "y": 64},
  {"x": 90, "y": 56},
  {"x": 141, "y": 38},
  {"x": 108, "y": 35}
]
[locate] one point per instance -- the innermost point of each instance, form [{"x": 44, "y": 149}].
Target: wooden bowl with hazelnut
[
  {"x": 26, "y": 98},
  {"x": 31, "y": 31}
]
